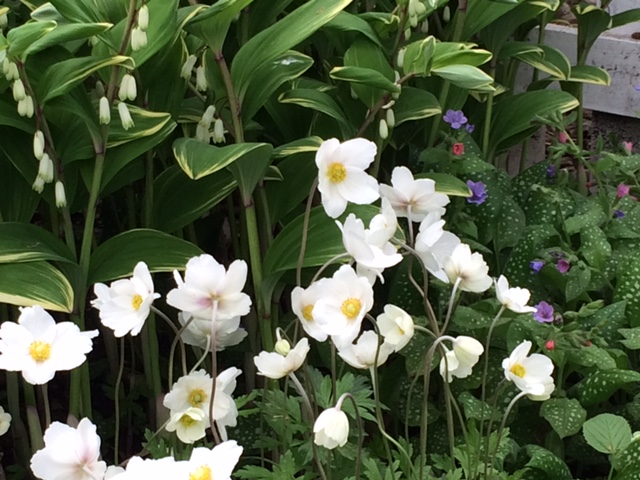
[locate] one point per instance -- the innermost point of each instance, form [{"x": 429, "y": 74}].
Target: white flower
[
  {"x": 362, "y": 354},
  {"x": 38, "y": 184},
  {"x": 125, "y": 116},
  {"x": 382, "y": 226},
  {"x": 218, "y": 131},
  {"x": 461, "y": 360},
  {"x": 207, "y": 282},
  {"x": 26, "y": 107},
  {"x": 391, "y": 118},
  {"x": 138, "y": 39},
  {"x": 434, "y": 245},
  {"x": 207, "y": 116},
  {"x": 38, "y": 144},
  {"x": 342, "y": 177},
  {"x": 383, "y": 129},
  {"x": 396, "y": 326},
  {"x": 275, "y": 365},
  {"x": 4, "y": 21},
  {"x": 187, "y": 67},
  {"x": 418, "y": 194},
  {"x": 45, "y": 168},
  {"x": 214, "y": 464},
  {"x": 302, "y": 303},
  {"x": 127, "y": 88},
  {"x": 343, "y": 303},
  {"x": 225, "y": 412},
  {"x": 531, "y": 374},
  {"x": 112, "y": 471},
  {"x": 162, "y": 469},
  {"x": 449, "y": 365},
  {"x": 60, "y": 195},
  {"x": 189, "y": 425},
  {"x": 125, "y": 305},
  {"x": 228, "y": 332},
  {"x": 69, "y": 453},
  {"x": 104, "y": 113},
  {"x": 190, "y": 391},
  {"x": 10, "y": 69},
  {"x": 515, "y": 299},
  {"x": 19, "y": 92},
  {"x": 38, "y": 347},
  {"x": 201, "y": 79},
  {"x": 143, "y": 17},
  {"x": 331, "y": 428},
  {"x": 470, "y": 269},
  {"x": 5, "y": 421}
]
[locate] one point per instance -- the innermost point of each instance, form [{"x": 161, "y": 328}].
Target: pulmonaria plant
[
  {"x": 455, "y": 118},
  {"x": 478, "y": 192}
]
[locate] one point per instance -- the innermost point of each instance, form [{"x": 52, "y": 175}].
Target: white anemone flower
[
  {"x": 382, "y": 226},
  {"x": 530, "y": 373},
  {"x": 162, "y": 468},
  {"x": 435, "y": 245},
  {"x": 206, "y": 282},
  {"x": 216, "y": 463},
  {"x": 190, "y": 391},
  {"x": 515, "y": 298},
  {"x": 225, "y": 412},
  {"x": 362, "y": 353},
  {"x": 5, "y": 421},
  {"x": 343, "y": 303},
  {"x": 113, "y": 471},
  {"x": 468, "y": 269},
  {"x": 277, "y": 365},
  {"x": 396, "y": 326},
  {"x": 69, "y": 453},
  {"x": 38, "y": 347},
  {"x": 302, "y": 303},
  {"x": 189, "y": 425},
  {"x": 198, "y": 333},
  {"x": 449, "y": 366},
  {"x": 413, "y": 198},
  {"x": 342, "y": 177},
  {"x": 460, "y": 361},
  {"x": 125, "y": 305},
  {"x": 331, "y": 428}
]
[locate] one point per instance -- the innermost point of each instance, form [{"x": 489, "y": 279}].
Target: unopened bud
[
  {"x": 45, "y": 169},
  {"x": 4, "y": 21},
  {"x": 61, "y": 197},
  {"x": 283, "y": 347},
  {"x": 10, "y": 70},
  {"x": 38, "y": 184},
  {"x": 104, "y": 111},
  {"x": 413, "y": 21},
  {"x": 125, "y": 116},
  {"x": 383, "y": 129},
  {"x": 26, "y": 107},
  {"x": 424, "y": 26},
  {"x": 446, "y": 14},
  {"x": 38, "y": 144},
  {"x": 218, "y": 131},
  {"x": 550, "y": 345},
  {"x": 202, "y": 133},
  {"x": 407, "y": 34},
  {"x": 143, "y": 17},
  {"x": 128, "y": 89},
  {"x": 391, "y": 118},
  {"x": 201, "y": 79},
  {"x": 420, "y": 8},
  {"x": 187, "y": 67},
  {"x": 138, "y": 39},
  {"x": 18, "y": 90},
  {"x": 207, "y": 117},
  {"x": 400, "y": 58}
]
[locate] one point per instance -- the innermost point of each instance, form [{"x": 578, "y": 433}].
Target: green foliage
[{"x": 607, "y": 433}]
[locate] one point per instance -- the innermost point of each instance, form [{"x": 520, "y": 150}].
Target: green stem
[
  {"x": 117, "y": 403},
  {"x": 214, "y": 373},
  {"x": 47, "y": 405},
  {"x": 234, "y": 104},
  {"x": 385, "y": 436},
  {"x": 502, "y": 424},
  {"x": 305, "y": 232},
  {"x": 360, "y": 431}
]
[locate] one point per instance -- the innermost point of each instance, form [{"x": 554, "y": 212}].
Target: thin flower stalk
[
  {"x": 500, "y": 430},
  {"x": 214, "y": 372},
  {"x": 116, "y": 441}
]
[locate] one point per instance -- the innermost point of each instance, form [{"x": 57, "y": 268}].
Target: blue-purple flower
[
  {"x": 563, "y": 266},
  {"x": 638, "y": 88},
  {"x": 536, "y": 266},
  {"x": 478, "y": 192},
  {"x": 455, "y": 118},
  {"x": 544, "y": 312},
  {"x": 551, "y": 171},
  {"x": 618, "y": 213},
  {"x": 469, "y": 128}
]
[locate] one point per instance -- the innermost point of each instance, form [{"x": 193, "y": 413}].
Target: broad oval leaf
[
  {"x": 81, "y": 12},
  {"x": 607, "y": 433},
  {"x": 365, "y": 76},
  {"x": 212, "y": 23},
  {"x": 309, "y": 144},
  {"x": 66, "y": 33},
  {"x": 117, "y": 257},
  {"x": 565, "y": 415},
  {"x": 24, "y": 242},
  {"x": 448, "y": 184},
  {"x": 352, "y": 23},
  {"x": 466, "y": 76},
  {"x": 590, "y": 74},
  {"x": 600, "y": 385},
  {"x": 320, "y": 102},
  {"x": 415, "y": 104},
  {"x": 35, "y": 283},
  {"x": 22, "y": 37}
]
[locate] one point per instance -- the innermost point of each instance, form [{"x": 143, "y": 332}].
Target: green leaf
[
  {"x": 578, "y": 279},
  {"x": 565, "y": 416},
  {"x": 320, "y": 102},
  {"x": 280, "y": 37},
  {"x": 61, "y": 77},
  {"x": 212, "y": 23},
  {"x": 448, "y": 184},
  {"x": 367, "y": 55},
  {"x": 80, "y": 12},
  {"x": 309, "y": 144},
  {"x": 545, "y": 461},
  {"x": 607, "y": 433},
  {"x": 549, "y": 60},
  {"x": 595, "y": 247},
  {"x": 66, "y": 33},
  {"x": 250, "y": 168},
  {"x": 117, "y": 257},
  {"x": 35, "y": 283},
  {"x": 628, "y": 288},
  {"x": 198, "y": 159},
  {"x": 632, "y": 338},
  {"x": 592, "y": 22},
  {"x": 482, "y": 13},
  {"x": 365, "y": 76},
  {"x": 452, "y": 53},
  {"x": 466, "y": 76},
  {"x": 418, "y": 56},
  {"x": 298, "y": 172},
  {"x": 24, "y": 242},
  {"x": 348, "y": 22},
  {"x": 623, "y": 18},
  {"x": 600, "y": 385},
  {"x": 22, "y": 37},
  {"x": 590, "y": 74},
  {"x": 415, "y": 104}
]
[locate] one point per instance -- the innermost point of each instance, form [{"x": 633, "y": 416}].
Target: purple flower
[
  {"x": 618, "y": 213},
  {"x": 544, "y": 312},
  {"x": 455, "y": 118},
  {"x": 623, "y": 190},
  {"x": 563, "y": 266},
  {"x": 638, "y": 88},
  {"x": 536, "y": 266},
  {"x": 478, "y": 192},
  {"x": 551, "y": 171},
  {"x": 469, "y": 128}
]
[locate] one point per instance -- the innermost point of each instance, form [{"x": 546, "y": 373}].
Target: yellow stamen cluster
[
  {"x": 518, "y": 370},
  {"x": 136, "y": 302},
  {"x": 197, "y": 397},
  {"x": 337, "y": 172},
  {"x": 307, "y": 313},
  {"x": 201, "y": 473},
  {"x": 39, "y": 350},
  {"x": 351, "y": 308}
]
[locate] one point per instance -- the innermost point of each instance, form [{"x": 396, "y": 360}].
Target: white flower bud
[
  {"x": 45, "y": 169},
  {"x": 201, "y": 79},
  {"x": 391, "y": 118},
  {"x": 207, "y": 117},
  {"x": 413, "y": 21},
  {"x": 446, "y": 14},
  {"x": 420, "y": 8},
  {"x": 143, "y": 17},
  {"x": 400, "y": 59},
  {"x": 282, "y": 347},
  {"x": 104, "y": 111},
  {"x": 202, "y": 133},
  {"x": 19, "y": 92},
  {"x": 128, "y": 89},
  {"x": 38, "y": 144},
  {"x": 38, "y": 184},
  {"x": 407, "y": 34},
  {"x": 424, "y": 26},
  {"x": 218, "y": 131},
  {"x": 26, "y": 107},
  {"x": 10, "y": 70},
  {"x": 4, "y": 21},
  {"x": 383, "y": 129},
  {"x": 61, "y": 197},
  {"x": 125, "y": 116},
  {"x": 138, "y": 39},
  {"x": 187, "y": 67}
]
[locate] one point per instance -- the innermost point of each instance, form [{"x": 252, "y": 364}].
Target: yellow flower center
[
  {"x": 136, "y": 301},
  {"x": 337, "y": 172},
  {"x": 351, "y": 308},
  {"x": 197, "y": 397},
  {"x": 307, "y": 313},
  {"x": 201, "y": 473},
  {"x": 39, "y": 350},
  {"x": 518, "y": 370},
  {"x": 187, "y": 421}
]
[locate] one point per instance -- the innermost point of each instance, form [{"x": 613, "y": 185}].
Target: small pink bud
[
  {"x": 588, "y": 343},
  {"x": 562, "y": 137},
  {"x": 550, "y": 345},
  {"x": 458, "y": 149},
  {"x": 628, "y": 147}
]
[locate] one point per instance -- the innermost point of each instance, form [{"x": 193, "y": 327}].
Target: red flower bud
[
  {"x": 588, "y": 343},
  {"x": 458, "y": 149},
  {"x": 550, "y": 345}
]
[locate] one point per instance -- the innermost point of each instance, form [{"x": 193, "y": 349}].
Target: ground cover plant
[{"x": 277, "y": 239}]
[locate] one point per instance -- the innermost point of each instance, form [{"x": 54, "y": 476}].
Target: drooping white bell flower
[
  {"x": 5, "y": 421},
  {"x": 396, "y": 326},
  {"x": 38, "y": 347},
  {"x": 331, "y": 428},
  {"x": 125, "y": 116},
  {"x": 212, "y": 464},
  {"x": 461, "y": 360},
  {"x": 515, "y": 298},
  {"x": 277, "y": 365},
  {"x": 343, "y": 303},
  {"x": 69, "y": 453},
  {"x": 415, "y": 196},
  {"x": 207, "y": 282},
  {"x": 469, "y": 268},
  {"x": 302, "y": 304},
  {"x": 530, "y": 373},
  {"x": 189, "y": 425},
  {"x": 125, "y": 305},
  {"x": 362, "y": 353},
  {"x": 342, "y": 177},
  {"x": 198, "y": 333},
  {"x": 449, "y": 366},
  {"x": 434, "y": 245}
]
